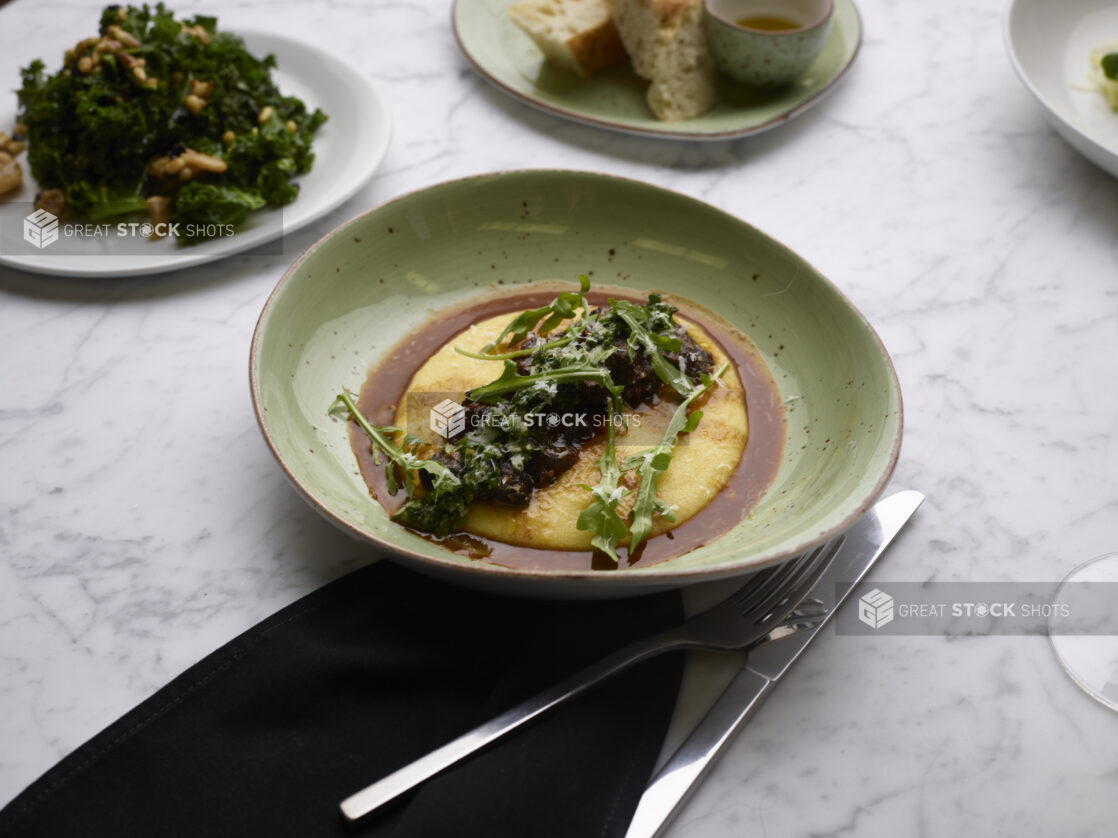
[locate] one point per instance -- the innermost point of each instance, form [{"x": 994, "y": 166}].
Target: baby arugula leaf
[
  {"x": 512, "y": 380},
  {"x": 566, "y": 305},
  {"x": 653, "y": 462},
  {"x": 519, "y": 353},
  {"x": 345, "y": 406},
  {"x": 519, "y": 327},
  {"x": 561, "y": 308},
  {"x": 601, "y": 516}
]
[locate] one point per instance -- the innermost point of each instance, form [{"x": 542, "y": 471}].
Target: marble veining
[{"x": 143, "y": 522}]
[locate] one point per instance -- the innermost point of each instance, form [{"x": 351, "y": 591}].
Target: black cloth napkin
[{"x": 267, "y": 735}]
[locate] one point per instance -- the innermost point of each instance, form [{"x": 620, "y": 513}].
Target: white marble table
[{"x": 143, "y": 521}]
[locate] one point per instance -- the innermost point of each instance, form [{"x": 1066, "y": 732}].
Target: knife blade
[{"x": 673, "y": 785}]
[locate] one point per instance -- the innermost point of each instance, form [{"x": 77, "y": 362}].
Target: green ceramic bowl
[
  {"x": 766, "y": 57},
  {"x": 356, "y": 292}
]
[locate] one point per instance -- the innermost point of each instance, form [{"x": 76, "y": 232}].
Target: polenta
[{"x": 568, "y": 427}]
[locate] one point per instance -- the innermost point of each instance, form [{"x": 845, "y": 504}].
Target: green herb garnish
[
  {"x": 653, "y": 462},
  {"x": 605, "y": 358},
  {"x": 1109, "y": 64},
  {"x": 563, "y": 307},
  {"x": 601, "y": 516},
  {"x": 404, "y": 458},
  {"x": 511, "y": 380},
  {"x": 518, "y": 353}
]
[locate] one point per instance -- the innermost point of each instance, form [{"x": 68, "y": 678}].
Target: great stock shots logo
[
  {"x": 448, "y": 418},
  {"x": 47, "y": 233},
  {"x": 40, "y": 228},
  {"x": 875, "y": 609},
  {"x": 930, "y": 608}
]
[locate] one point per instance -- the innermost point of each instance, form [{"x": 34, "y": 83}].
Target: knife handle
[
  {"x": 679, "y": 778},
  {"x": 383, "y": 791}
]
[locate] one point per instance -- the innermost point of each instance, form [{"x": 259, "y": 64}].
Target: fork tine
[
  {"x": 780, "y": 603},
  {"x": 753, "y": 595},
  {"x": 764, "y": 601}
]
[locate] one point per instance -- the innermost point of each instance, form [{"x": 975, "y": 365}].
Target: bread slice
[
  {"x": 577, "y": 35},
  {"x": 667, "y": 45}
]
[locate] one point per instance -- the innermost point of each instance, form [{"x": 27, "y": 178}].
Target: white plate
[
  {"x": 1049, "y": 43},
  {"x": 348, "y": 149}
]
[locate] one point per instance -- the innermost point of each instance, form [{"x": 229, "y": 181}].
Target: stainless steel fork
[{"x": 763, "y": 604}]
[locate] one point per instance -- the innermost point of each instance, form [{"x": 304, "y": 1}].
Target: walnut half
[
  {"x": 11, "y": 173},
  {"x": 159, "y": 211},
  {"x": 53, "y": 201},
  {"x": 186, "y": 165}
]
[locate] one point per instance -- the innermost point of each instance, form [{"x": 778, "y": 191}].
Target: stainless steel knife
[{"x": 766, "y": 665}]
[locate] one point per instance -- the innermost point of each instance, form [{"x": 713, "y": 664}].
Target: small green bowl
[
  {"x": 361, "y": 288},
  {"x": 761, "y": 57}
]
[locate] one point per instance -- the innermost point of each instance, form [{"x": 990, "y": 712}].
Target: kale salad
[
  {"x": 565, "y": 357},
  {"x": 168, "y": 116}
]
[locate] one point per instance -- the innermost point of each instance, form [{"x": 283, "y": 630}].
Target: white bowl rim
[{"x": 1050, "y": 107}]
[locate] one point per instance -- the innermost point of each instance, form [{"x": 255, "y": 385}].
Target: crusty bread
[
  {"x": 577, "y": 35},
  {"x": 667, "y": 44}
]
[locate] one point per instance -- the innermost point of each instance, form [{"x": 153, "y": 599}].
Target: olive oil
[{"x": 768, "y": 23}]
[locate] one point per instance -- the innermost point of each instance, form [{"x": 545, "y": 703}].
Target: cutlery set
[{"x": 773, "y": 616}]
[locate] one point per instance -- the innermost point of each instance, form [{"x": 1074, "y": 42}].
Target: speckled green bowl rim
[
  {"x": 662, "y": 574},
  {"x": 667, "y": 133},
  {"x": 777, "y": 33}
]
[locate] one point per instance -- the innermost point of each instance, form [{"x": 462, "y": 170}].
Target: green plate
[
  {"x": 616, "y": 99},
  {"x": 353, "y": 295}
]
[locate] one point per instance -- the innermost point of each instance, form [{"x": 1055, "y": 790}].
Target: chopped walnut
[
  {"x": 86, "y": 55},
  {"x": 53, "y": 201},
  {"x": 199, "y": 92},
  {"x": 13, "y": 143},
  {"x": 198, "y": 31},
  {"x": 84, "y": 45},
  {"x": 11, "y": 173},
  {"x": 129, "y": 61},
  {"x": 125, "y": 38},
  {"x": 167, "y": 166},
  {"x": 106, "y": 45},
  {"x": 159, "y": 211},
  {"x": 186, "y": 164},
  {"x": 204, "y": 162}
]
